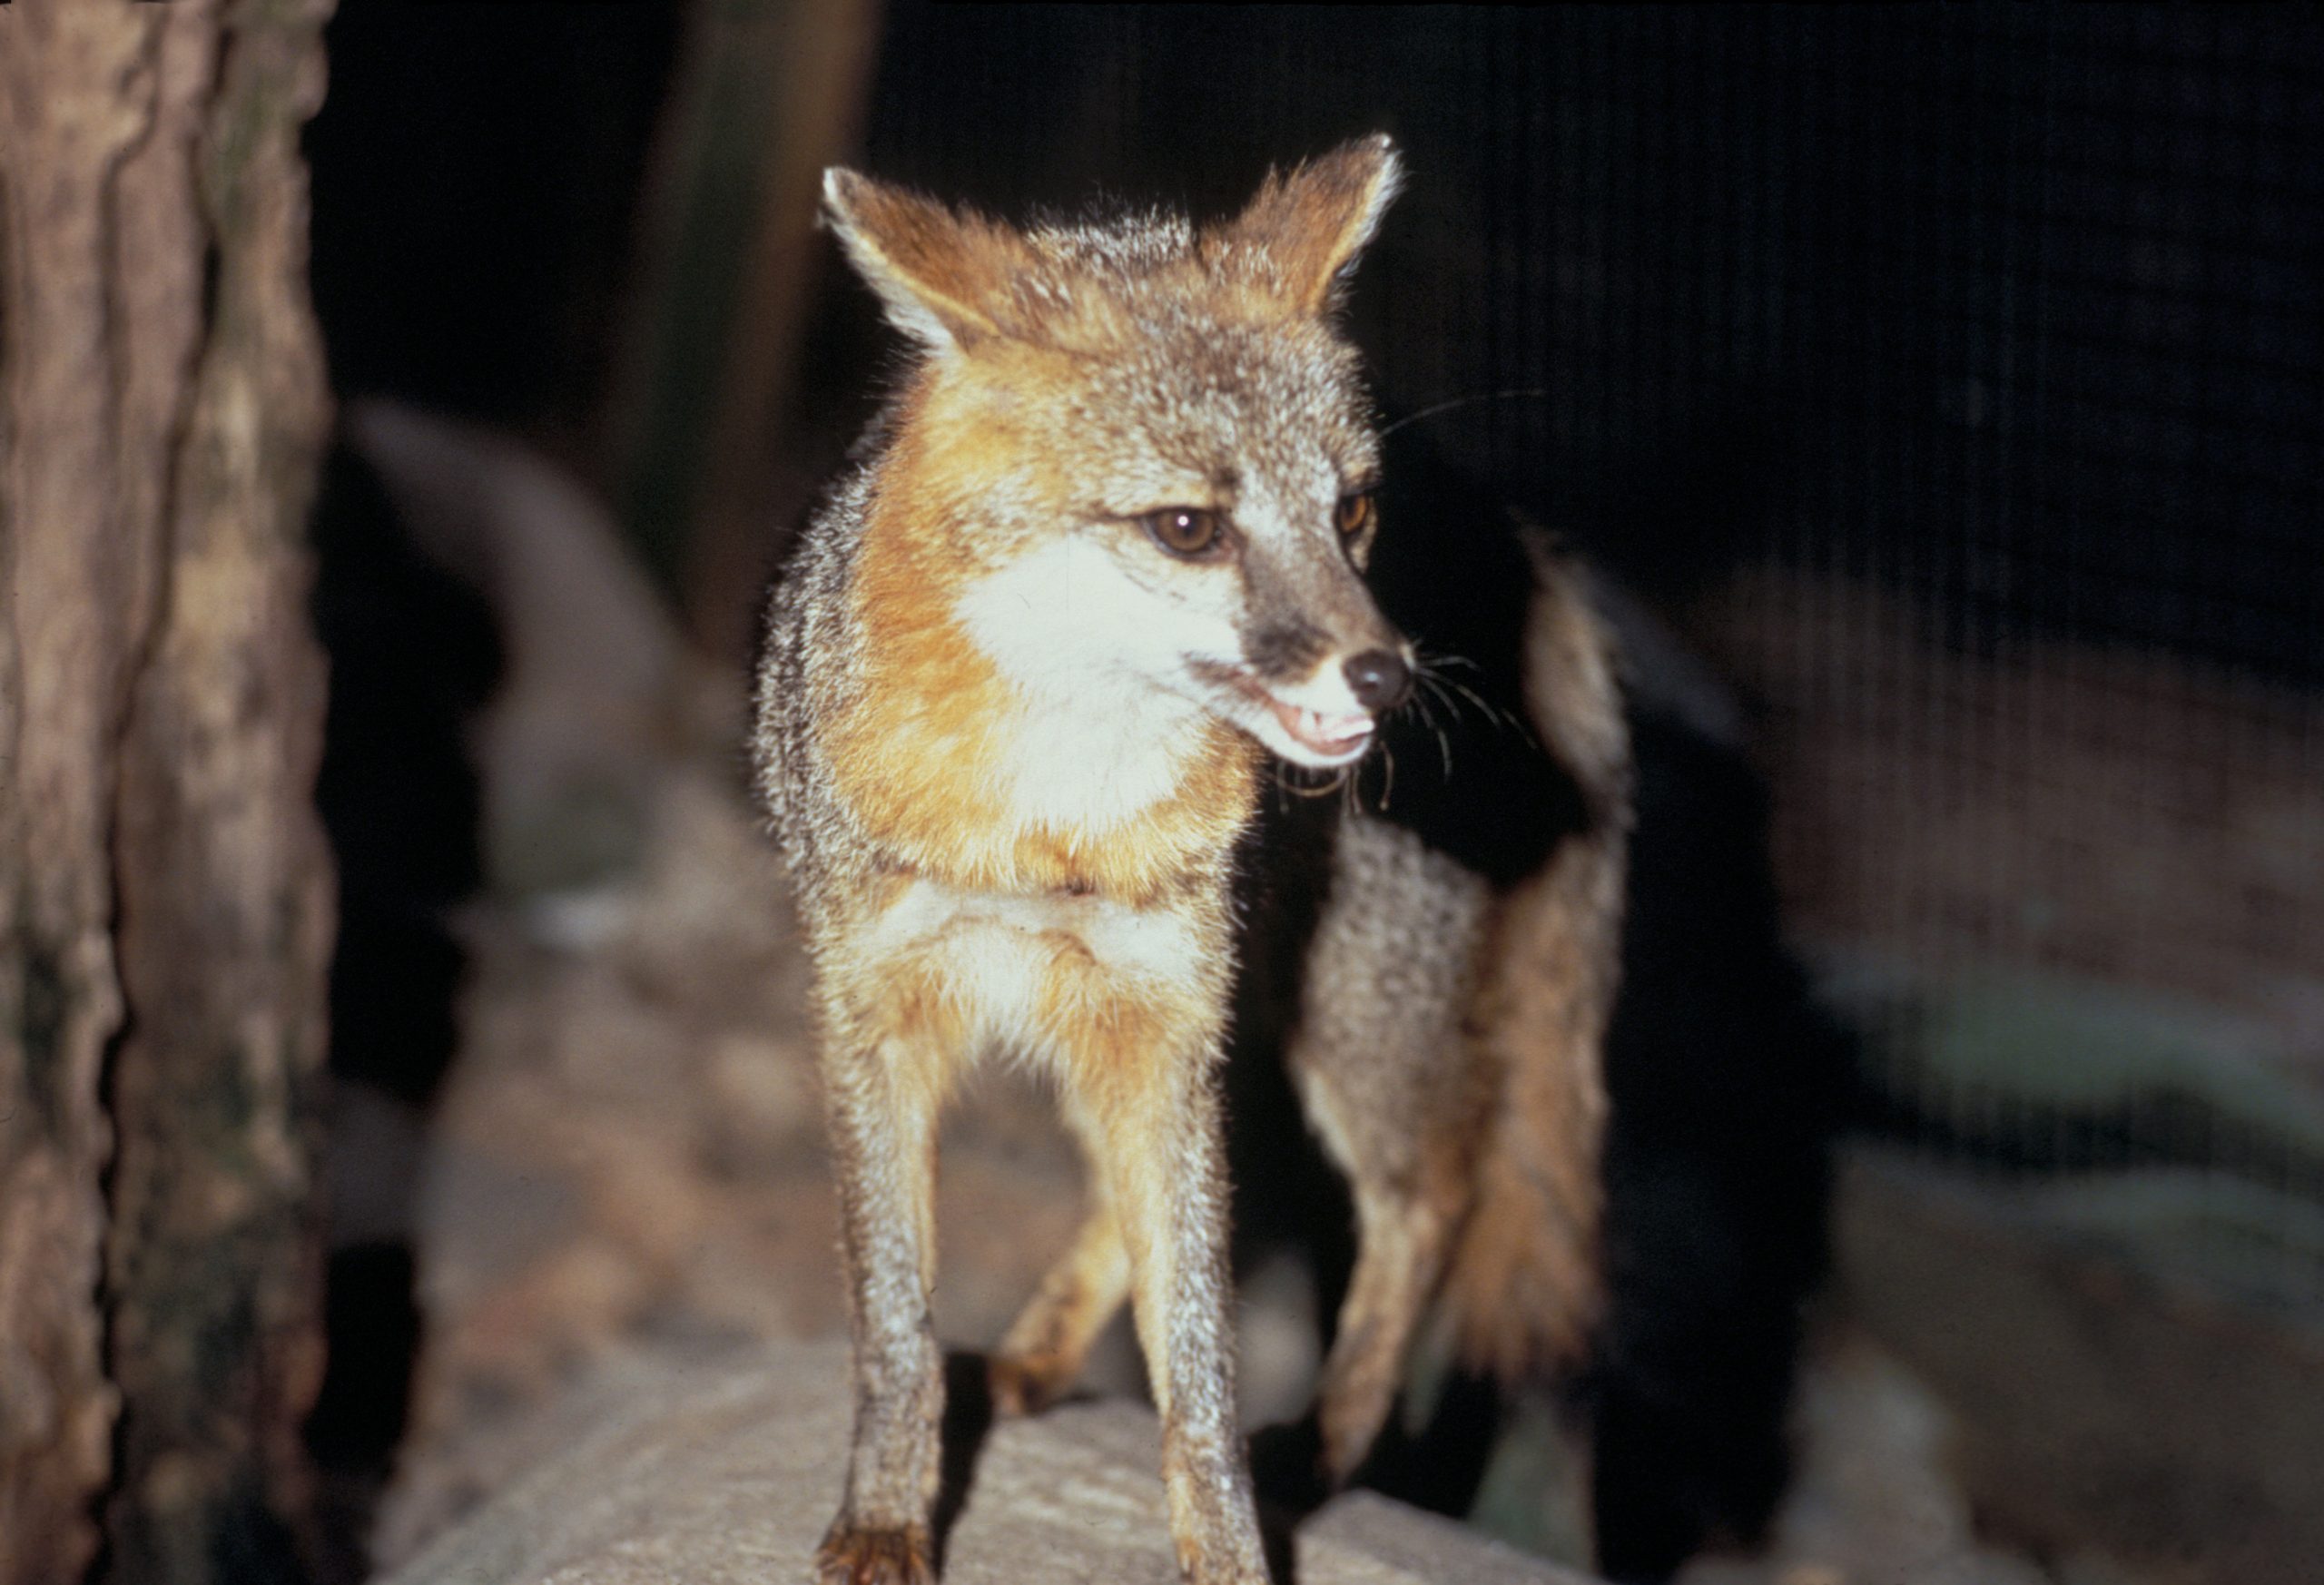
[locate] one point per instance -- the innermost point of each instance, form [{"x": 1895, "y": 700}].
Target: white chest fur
[
  {"x": 1103, "y": 736},
  {"x": 997, "y": 956}
]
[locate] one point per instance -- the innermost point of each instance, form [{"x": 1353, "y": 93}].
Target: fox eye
[
  {"x": 1182, "y": 530},
  {"x": 1354, "y": 514}
]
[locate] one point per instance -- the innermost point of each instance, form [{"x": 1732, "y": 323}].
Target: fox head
[{"x": 1137, "y": 454}]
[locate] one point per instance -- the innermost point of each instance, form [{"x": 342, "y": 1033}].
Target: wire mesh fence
[{"x": 1956, "y": 377}]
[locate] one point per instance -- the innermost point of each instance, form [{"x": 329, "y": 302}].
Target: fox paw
[
  {"x": 1024, "y": 1385},
  {"x": 871, "y": 1556}
]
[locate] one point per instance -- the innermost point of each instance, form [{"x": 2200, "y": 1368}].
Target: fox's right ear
[
  {"x": 1312, "y": 221},
  {"x": 943, "y": 277}
]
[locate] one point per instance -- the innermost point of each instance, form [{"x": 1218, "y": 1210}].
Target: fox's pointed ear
[
  {"x": 944, "y": 277},
  {"x": 1312, "y": 222}
]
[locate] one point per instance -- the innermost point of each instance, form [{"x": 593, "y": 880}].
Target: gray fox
[{"x": 1101, "y": 557}]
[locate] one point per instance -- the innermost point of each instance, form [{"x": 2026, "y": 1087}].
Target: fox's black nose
[{"x": 1379, "y": 679}]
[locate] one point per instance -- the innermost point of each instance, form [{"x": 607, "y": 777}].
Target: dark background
[
  {"x": 1982, "y": 347},
  {"x": 2020, "y": 309}
]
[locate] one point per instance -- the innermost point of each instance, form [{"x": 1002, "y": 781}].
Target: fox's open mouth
[
  {"x": 1326, "y": 734},
  {"x": 1337, "y": 738}
]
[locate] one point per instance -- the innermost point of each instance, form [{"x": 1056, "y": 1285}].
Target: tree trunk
[{"x": 164, "y": 890}]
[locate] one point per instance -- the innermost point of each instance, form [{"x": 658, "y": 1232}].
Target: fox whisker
[
  {"x": 1493, "y": 713},
  {"x": 1311, "y": 790},
  {"x": 1440, "y": 687},
  {"x": 1428, "y": 719},
  {"x": 1464, "y": 401}
]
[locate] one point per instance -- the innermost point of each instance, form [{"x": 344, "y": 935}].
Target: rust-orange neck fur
[{"x": 922, "y": 753}]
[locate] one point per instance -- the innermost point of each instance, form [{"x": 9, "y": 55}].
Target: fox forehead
[
  {"x": 1227, "y": 402},
  {"x": 1182, "y": 409}
]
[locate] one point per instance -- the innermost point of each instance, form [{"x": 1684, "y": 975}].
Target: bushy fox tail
[{"x": 1525, "y": 1283}]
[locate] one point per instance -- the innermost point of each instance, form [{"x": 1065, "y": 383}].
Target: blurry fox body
[{"x": 1095, "y": 586}]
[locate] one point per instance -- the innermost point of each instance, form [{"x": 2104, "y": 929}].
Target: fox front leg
[
  {"x": 1162, "y": 1157},
  {"x": 882, "y": 1121}
]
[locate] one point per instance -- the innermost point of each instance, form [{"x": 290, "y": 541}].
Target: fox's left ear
[
  {"x": 1312, "y": 222},
  {"x": 945, "y": 278}
]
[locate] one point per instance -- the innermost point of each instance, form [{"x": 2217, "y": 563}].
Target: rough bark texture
[
  {"x": 67, "y": 112},
  {"x": 165, "y": 890}
]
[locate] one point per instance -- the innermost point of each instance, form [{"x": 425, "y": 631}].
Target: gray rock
[{"x": 725, "y": 1471}]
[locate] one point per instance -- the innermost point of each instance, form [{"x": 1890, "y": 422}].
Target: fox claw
[{"x": 871, "y": 1556}]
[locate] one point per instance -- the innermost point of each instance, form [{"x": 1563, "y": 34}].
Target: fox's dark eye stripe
[{"x": 1182, "y": 530}]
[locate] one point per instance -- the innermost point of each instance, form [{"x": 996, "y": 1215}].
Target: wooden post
[{"x": 164, "y": 888}]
